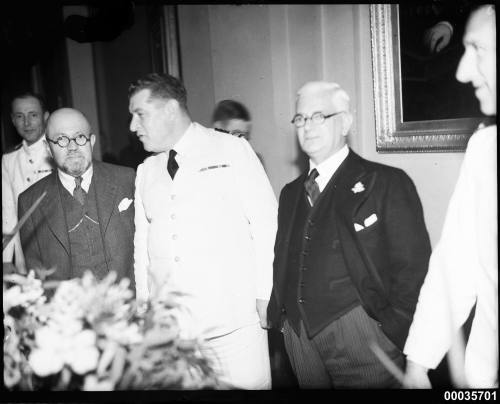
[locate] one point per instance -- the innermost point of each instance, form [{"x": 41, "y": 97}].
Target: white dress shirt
[
  {"x": 21, "y": 168},
  {"x": 68, "y": 181},
  {"x": 327, "y": 168},
  {"x": 463, "y": 270}
]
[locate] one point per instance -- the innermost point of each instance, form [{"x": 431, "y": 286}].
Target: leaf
[
  {"x": 106, "y": 358},
  {"x": 159, "y": 337},
  {"x": 118, "y": 364}
]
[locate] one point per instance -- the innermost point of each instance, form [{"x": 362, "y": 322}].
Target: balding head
[
  {"x": 322, "y": 119},
  {"x": 67, "y": 117},
  {"x": 70, "y": 124}
]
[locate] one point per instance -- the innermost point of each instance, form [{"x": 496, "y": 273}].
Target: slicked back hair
[
  {"x": 230, "y": 109},
  {"x": 162, "y": 86},
  {"x": 29, "y": 94}
]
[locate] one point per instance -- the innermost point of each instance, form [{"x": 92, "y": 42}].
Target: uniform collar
[
  {"x": 186, "y": 143},
  {"x": 39, "y": 144}
]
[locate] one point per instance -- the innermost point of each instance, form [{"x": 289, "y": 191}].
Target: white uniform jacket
[
  {"x": 209, "y": 233},
  {"x": 21, "y": 168},
  {"x": 463, "y": 270}
]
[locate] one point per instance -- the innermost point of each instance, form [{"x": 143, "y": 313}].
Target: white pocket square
[
  {"x": 358, "y": 227},
  {"x": 370, "y": 220},
  {"x": 124, "y": 204}
]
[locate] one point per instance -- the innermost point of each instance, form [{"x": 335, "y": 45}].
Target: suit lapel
[
  {"x": 348, "y": 199},
  {"x": 105, "y": 192},
  {"x": 288, "y": 218},
  {"x": 51, "y": 207},
  {"x": 348, "y": 202}
]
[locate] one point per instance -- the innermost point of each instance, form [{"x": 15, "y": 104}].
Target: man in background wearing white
[{"x": 29, "y": 162}]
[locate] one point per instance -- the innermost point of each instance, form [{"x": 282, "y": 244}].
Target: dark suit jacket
[
  {"x": 44, "y": 236},
  {"x": 387, "y": 261}
]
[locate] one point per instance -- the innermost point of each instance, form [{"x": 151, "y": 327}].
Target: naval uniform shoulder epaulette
[{"x": 222, "y": 130}]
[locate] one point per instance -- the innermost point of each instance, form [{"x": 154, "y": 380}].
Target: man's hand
[
  {"x": 262, "y": 312},
  {"x": 416, "y": 376}
]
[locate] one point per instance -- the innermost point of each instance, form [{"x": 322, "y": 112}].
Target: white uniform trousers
[{"x": 241, "y": 358}]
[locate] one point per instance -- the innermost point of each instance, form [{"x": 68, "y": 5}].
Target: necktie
[
  {"x": 311, "y": 186},
  {"x": 78, "y": 193},
  {"x": 172, "y": 165}
]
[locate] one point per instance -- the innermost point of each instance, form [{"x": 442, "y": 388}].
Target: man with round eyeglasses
[
  {"x": 86, "y": 220},
  {"x": 351, "y": 254}
]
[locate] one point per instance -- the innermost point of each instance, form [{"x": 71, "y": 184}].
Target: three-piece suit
[{"x": 351, "y": 265}]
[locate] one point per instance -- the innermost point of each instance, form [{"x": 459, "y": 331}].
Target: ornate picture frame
[{"x": 392, "y": 133}]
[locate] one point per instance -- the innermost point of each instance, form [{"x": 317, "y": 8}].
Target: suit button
[
  {"x": 177, "y": 259},
  {"x": 174, "y": 236},
  {"x": 303, "y": 269},
  {"x": 283, "y": 310},
  {"x": 301, "y": 301},
  {"x": 172, "y": 197},
  {"x": 310, "y": 222},
  {"x": 31, "y": 161},
  {"x": 307, "y": 238},
  {"x": 28, "y": 179},
  {"x": 305, "y": 253},
  {"x": 172, "y": 216},
  {"x": 302, "y": 284}
]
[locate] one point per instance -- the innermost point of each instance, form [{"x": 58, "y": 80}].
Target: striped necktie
[
  {"x": 312, "y": 187},
  {"x": 78, "y": 193}
]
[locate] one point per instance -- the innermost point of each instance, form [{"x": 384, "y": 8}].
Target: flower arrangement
[{"x": 92, "y": 335}]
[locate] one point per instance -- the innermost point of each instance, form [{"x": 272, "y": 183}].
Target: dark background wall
[
  {"x": 117, "y": 63},
  {"x": 34, "y": 44}
]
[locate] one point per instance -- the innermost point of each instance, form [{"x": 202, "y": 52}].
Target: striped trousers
[{"x": 340, "y": 355}]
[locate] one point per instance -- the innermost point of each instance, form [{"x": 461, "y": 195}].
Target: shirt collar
[
  {"x": 186, "y": 143},
  {"x": 40, "y": 143},
  {"x": 68, "y": 181},
  {"x": 327, "y": 168}
]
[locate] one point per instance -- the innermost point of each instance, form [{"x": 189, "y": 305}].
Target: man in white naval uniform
[
  {"x": 463, "y": 269},
  {"x": 26, "y": 164},
  {"x": 205, "y": 226}
]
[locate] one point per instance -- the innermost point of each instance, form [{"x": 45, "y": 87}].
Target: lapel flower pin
[
  {"x": 124, "y": 204},
  {"x": 358, "y": 187}
]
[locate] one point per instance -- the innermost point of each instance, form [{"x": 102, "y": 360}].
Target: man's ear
[
  {"x": 218, "y": 124},
  {"x": 45, "y": 116},
  {"x": 171, "y": 107},
  {"x": 346, "y": 123},
  {"x": 92, "y": 140}
]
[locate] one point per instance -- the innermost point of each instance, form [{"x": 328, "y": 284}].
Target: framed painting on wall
[{"x": 419, "y": 104}]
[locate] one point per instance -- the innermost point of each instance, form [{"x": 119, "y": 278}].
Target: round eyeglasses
[
  {"x": 318, "y": 118},
  {"x": 64, "y": 141}
]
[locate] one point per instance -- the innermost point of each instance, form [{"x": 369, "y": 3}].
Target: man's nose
[
  {"x": 132, "y": 125},
  {"x": 308, "y": 124},
  {"x": 72, "y": 145},
  {"x": 463, "y": 73}
]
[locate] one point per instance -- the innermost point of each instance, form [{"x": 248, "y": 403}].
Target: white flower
[
  {"x": 124, "y": 204},
  {"x": 55, "y": 349},
  {"x": 358, "y": 187},
  {"x": 45, "y": 363}
]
